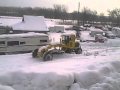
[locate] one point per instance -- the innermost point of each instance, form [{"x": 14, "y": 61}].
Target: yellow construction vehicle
[{"x": 67, "y": 44}]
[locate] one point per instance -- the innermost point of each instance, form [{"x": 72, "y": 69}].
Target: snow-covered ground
[{"x": 97, "y": 68}]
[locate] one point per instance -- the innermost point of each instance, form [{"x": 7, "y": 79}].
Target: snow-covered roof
[
  {"x": 9, "y": 21},
  {"x": 31, "y": 23},
  {"x": 30, "y": 34},
  {"x": 116, "y": 28},
  {"x": 67, "y": 34},
  {"x": 95, "y": 29}
]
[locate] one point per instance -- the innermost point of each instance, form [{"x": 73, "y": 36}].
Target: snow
[
  {"x": 50, "y": 23},
  {"x": 88, "y": 78},
  {"x": 85, "y": 36},
  {"x": 31, "y": 23},
  {"x": 9, "y": 21},
  {"x": 30, "y": 34},
  {"x": 117, "y": 28},
  {"x": 75, "y": 86},
  {"x": 95, "y": 29},
  {"x": 65, "y": 72},
  {"x": 2, "y": 87},
  {"x": 97, "y": 68}
]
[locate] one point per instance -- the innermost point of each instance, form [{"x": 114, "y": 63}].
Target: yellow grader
[{"x": 68, "y": 44}]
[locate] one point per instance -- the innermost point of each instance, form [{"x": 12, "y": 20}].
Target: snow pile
[
  {"x": 87, "y": 78},
  {"x": 76, "y": 86},
  {"x": 104, "y": 76},
  {"x": 37, "y": 81},
  {"x": 2, "y": 87}
]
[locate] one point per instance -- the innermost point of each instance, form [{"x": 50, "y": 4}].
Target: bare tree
[
  {"x": 60, "y": 11},
  {"x": 88, "y": 15},
  {"x": 115, "y": 16}
]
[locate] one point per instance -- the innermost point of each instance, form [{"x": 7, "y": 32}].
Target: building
[
  {"x": 6, "y": 23},
  {"x": 31, "y": 24}
]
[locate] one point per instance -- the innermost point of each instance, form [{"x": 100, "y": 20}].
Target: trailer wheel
[
  {"x": 48, "y": 57},
  {"x": 34, "y": 53},
  {"x": 78, "y": 51}
]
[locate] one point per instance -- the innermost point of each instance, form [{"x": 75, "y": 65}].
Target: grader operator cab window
[{"x": 65, "y": 39}]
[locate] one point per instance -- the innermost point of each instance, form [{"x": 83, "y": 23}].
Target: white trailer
[
  {"x": 26, "y": 42},
  {"x": 95, "y": 31},
  {"x": 57, "y": 29}
]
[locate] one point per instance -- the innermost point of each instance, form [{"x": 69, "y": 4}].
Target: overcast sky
[{"x": 101, "y": 6}]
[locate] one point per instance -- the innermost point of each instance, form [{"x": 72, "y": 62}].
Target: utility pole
[{"x": 78, "y": 21}]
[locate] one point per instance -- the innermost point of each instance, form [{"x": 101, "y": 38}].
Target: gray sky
[{"x": 100, "y": 5}]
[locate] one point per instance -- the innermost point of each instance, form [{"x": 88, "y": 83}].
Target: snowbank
[
  {"x": 97, "y": 70},
  {"x": 104, "y": 76},
  {"x": 87, "y": 78},
  {"x": 37, "y": 81},
  {"x": 2, "y": 87}
]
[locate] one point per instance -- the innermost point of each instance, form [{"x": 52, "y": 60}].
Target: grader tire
[
  {"x": 68, "y": 51},
  {"x": 78, "y": 51},
  {"x": 48, "y": 57},
  {"x": 34, "y": 53}
]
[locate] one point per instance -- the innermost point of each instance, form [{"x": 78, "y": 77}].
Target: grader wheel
[
  {"x": 48, "y": 56},
  {"x": 34, "y": 53},
  {"x": 78, "y": 51}
]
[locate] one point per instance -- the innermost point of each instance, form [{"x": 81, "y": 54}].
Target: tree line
[{"x": 61, "y": 12}]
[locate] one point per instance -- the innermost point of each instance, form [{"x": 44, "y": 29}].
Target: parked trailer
[
  {"x": 57, "y": 29},
  {"x": 26, "y": 42},
  {"x": 95, "y": 31}
]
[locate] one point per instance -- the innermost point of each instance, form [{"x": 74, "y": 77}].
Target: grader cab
[{"x": 67, "y": 44}]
